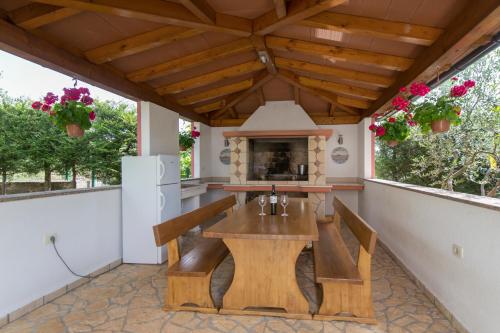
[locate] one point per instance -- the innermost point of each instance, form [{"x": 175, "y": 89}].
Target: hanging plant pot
[
  {"x": 440, "y": 126},
  {"x": 74, "y": 131},
  {"x": 182, "y": 148},
  {"x": 392, "y": 143}
]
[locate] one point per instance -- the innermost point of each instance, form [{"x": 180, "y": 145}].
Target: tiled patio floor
[{"x": 130, "y": 297}]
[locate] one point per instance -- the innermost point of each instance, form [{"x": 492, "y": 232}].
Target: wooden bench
[
  {"x": 346, "y": 285},
  {"x": 189, "y": 276}
]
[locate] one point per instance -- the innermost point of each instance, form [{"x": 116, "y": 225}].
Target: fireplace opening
[{"x": 277, "y": 159}]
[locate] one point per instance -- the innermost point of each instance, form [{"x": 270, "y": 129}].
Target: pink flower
[
  {"x": 45, "y": 107},
  {"x": 419, "y": 89},
  {"x": 372, "y": 127},
  {"x": 454, "y": 78},
  {"x": 400, "y": 103},
  {"x": 50, "y": 98},
  {"x": 412, "y": 123},
  {"x": 376, "y": 115},
  {"x": 380, "y": 131},
  {"x": 403, "y": 89},
  {"x": 36, "y": 105},
  {"x": 92, "y": 115},
  {"x": 469, "y": 83},
  {"x": 64, "y": 99},
  {"x": 87, "y": 100},
  {"x": 72, "y": 94},
  {"x": 458, "y": 91},
  {"x": 392, "y": 120},
  {"x": 84, "y": 91}
]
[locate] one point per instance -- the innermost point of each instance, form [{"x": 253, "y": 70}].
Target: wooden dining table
[{"x": 265, "y": 251}]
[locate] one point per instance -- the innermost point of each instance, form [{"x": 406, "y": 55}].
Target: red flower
[
  {"x": 87, "y": 100},
  {"x": 64, "y": 99},
  {"x": 458, "y": 91},
  {"x": 412, "y": 123},
  {"x": 50, "y": 98},
  {"x": 72, "y": 94},
  {"x": 392, "y": 120},
  {"x": 419, "y": 89},
  {"x": 400, "y": 103},
  {"x": 380, "y": 131},
  {"x": 458, "y": 113},
  {"x": 372, "y": 127},
  {"x": 36, "y": 105},
  {"x": 45, "y": 107},
  {"x": 376, "y": 115},
  {"x": 454, "y": 78},
  {"x": 92, "y": 115},
  {"x": 469, "y": 83},
  {"x": 403, "y": 89},
  {"x": 84, "y": 91}
]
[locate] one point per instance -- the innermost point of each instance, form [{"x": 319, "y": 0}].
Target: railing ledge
[{"x": 46, "y": 194}]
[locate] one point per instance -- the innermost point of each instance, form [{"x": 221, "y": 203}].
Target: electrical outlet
[
  {"x": 46, "y": 238},
  {"x": 458, "y": 251}
]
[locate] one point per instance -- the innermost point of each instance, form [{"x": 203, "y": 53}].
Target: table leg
[{"x": 264, "y": 275}]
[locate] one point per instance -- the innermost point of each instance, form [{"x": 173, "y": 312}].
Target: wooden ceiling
[{"x": 217, "y": 61}]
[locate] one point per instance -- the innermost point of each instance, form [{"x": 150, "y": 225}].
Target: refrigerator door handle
[
  {"x": 162, "y": 170},
  {"x": 162, "y": 201}
]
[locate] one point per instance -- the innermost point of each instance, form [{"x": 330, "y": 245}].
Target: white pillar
[
  {"x": 159, "y": 132},
  {"x": 365, "y": 149}
]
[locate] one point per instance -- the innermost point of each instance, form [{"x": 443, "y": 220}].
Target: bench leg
[
  {"x": 343, "y": 299},
  {"x": 189, "y": 293}
]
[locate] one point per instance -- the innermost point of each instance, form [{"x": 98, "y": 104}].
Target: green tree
[{"x": 466, "y": 158}]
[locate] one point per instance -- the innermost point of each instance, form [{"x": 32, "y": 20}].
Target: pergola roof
[{"x": 217, "y": 61}]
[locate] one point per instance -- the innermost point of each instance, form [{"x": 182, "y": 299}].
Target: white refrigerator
[{"x": 151, "y": 194}]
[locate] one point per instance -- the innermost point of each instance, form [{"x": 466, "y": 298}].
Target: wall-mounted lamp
[
  {"x": 340, "y": 139},
  {"x": 263, "y": 56}
]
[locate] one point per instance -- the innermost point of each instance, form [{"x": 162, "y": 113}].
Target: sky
[{"x": 20, "y": 77}]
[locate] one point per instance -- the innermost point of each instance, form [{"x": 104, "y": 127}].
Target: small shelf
[{"x": 280, "y": 134}]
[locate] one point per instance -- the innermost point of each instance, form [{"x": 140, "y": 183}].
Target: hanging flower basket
[
  {"x": 187, "y": 138},
  {"x": 74, "y": 131},
  {"x": 392, "y": 143},
  {"x": 73, "y": 112},
  {"x": 393, "y": 130},
  {"x": 440, "y": 126}
]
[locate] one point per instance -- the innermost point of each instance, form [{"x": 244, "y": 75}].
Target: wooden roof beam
[
  {"x": 201, "y": 9},
  {"x": 325, "y": 51},
  {"x": 339, "y": 88},
  {"x": 191, "y": 60},
  {"x": 139, "y": 43},
  {"x": 297, "y": 10},
  {"x": 292, "y": 79},
  {"x": 464, "y": 33},
  {"x": 28, "y": 46},
  {"x": 216, "y": 92},
  {"x": 213, "y": 77},
  {"x": 36, "y": 15},
  {"x": 296, "y": 94},
  {"x": 396, "y": 31},
  {"x": 159, "y": 11},
  {"x": 259, "y": 81},
  {"x": 341, "y": 73},
  {"x": 318, "y": 120},
  {"x": 210, "y": 106}
]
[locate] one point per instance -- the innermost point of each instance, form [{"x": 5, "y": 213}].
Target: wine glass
[
  {"x": 262, "y": 203},
  {"x": 284, "y": 202}
]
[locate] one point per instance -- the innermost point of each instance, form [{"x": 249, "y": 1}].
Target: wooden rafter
[
  {"x": 280, "y": 8},
  {"x": 318, "y": 120},
  {"x": 191, "y": 60},
  {"x": 201, "y": 9},
  {"x": 216, "y": 76},
  {"x": 259, "y": 81},
  {"x": 159, "y": 11},
  {"x": 324, "y": 95},
  {"x": 296, "y": 94},
  {"x": 264, "y": 53},
  {"x": 341, "y": 73},
  {"x": 23, "y": 44},
  {"x": 297, "y": 10},
  {"x": 216, "y": 92},
  {"x": 139, "y": 43},
  {"x": 464, "y": 33},
  {"x": 339, "y": 88},
  {"x": 210, "y": 106},
  {"x": 396, "y": 31},
  {"x": 339, "y": 53},
  {"x": 355, "y": 103},
  {"x": 233, "y": 112},
  {"x": 260, "y": 96},
  {"x": 331, "y": 110},
  {"x": 36, "y": 15}
]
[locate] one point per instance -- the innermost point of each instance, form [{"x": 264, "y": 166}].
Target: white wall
[
  {"x": 421, "y": 229},
  {"x": 159, "y": 130},
  {"x": 211, "y": 145},
  {"x": 88, "y": 228},
  {"x": 279, "y": 115}
]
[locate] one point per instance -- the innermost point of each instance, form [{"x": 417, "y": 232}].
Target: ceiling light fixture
[{"x": 263, "y": 57}]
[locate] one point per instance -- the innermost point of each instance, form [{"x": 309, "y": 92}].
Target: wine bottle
[{"x": 273, "y": 200}]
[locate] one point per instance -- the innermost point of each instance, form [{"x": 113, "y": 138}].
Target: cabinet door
[
  {"x": 168, "y": 170},
  {"x": 169, "y": 202}
]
